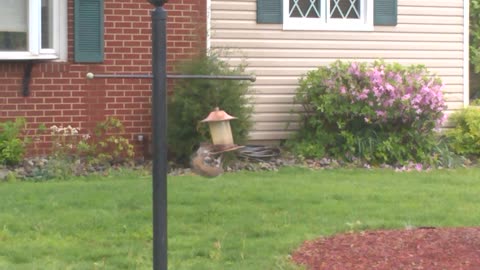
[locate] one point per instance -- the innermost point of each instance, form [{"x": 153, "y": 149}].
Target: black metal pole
[
  {"x": 159, "y": 134},
  {"x": 159, "y": 125}
]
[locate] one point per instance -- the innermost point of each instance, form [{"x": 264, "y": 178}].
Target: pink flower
[
  {"x": 442, "y": 120},
  {"x": 378, "y": 91},
  {"x": 418, "y": 167},
  {"x": 362, "y": 96},
  {"x": 389, "y": 87},
  {"x": 381, "y": 114},
  {"x": 398, "y": 78},
  {"x": 354, "y": 69},
  {"x": 389, "y": 102}
]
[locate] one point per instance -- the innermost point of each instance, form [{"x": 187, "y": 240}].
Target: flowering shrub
[
  {"x": 67, "y": 141},
  {"x": 106, "y": 145},
  {"x": 74, "y": 151},
  {"x": 66, "y": 149},
  {"x": 383, "y": 113}
]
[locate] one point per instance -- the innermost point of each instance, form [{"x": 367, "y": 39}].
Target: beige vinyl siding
[{"x": 428, "y": 32}]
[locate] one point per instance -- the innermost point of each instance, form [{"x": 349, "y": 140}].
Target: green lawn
[{"x": 236, "y": 221}]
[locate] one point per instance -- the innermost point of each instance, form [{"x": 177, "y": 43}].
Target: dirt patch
[{"x": 415, "y": 249}]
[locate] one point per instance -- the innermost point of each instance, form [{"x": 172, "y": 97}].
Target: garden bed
[{"x": 410, "y": 249}]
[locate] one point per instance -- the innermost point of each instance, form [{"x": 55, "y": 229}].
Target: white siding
[{"x": 428, "y": 32}]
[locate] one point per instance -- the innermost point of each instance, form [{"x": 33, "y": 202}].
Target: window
[
  {"x": 328, "y": 15},
  {"x": 33, "y": 29}
]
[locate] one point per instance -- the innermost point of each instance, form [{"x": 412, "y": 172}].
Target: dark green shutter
[
  {"x": 88, "y": 26},
  {"x": 385, "y": 12},
  {"x": 269, "y": 11}
]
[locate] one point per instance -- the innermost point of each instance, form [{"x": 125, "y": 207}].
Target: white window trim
[
  {"x": 365, "y": 23},
  {"x": 60, "y": 24}
]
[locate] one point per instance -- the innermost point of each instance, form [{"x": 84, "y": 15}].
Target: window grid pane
[
  {"x": 305, "y": 8},
  {"x": 345, "y": 9}
]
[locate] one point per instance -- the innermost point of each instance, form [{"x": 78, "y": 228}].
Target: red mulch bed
[{"x": 421, "y": 248}]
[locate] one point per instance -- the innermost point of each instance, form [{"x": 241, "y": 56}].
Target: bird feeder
[{"x": 220, "y": 130}]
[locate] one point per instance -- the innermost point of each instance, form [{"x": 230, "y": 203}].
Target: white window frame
[
  {"x": 364, "y": 23},
  {"x": 59, "y": 32}
]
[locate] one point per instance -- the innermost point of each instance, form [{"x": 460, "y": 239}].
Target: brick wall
[{"x": 60, "y": 94}]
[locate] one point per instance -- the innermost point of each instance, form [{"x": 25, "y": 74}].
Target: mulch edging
[{"x": 426, "y": 248}]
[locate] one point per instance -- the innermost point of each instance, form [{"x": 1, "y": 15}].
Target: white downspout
[
  {"x": 466, "y": 53},
  {"x": 209, "y": 25}
]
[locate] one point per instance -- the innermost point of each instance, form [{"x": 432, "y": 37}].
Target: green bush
[
  {"x": 464, "y": 138},
  {"x": 380, "y": 113},
  {"x": 193, "y": 99},
  {"x": 12, "y": 146},
  {"x": 474, "y": 46},
  {"x": 475, "y": 34},
  {"x": 110, "y": 146}
]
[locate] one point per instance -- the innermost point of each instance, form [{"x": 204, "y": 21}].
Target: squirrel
[{"x": 203, "y": 164}]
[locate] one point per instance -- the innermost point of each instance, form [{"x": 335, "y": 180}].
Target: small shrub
[
  {"x": 465, "y": 136},
  {"x": 445, "y": 157},
  {"x": 381, "y": 113},
  {"x": 12, "y": 146},
  {"x": 55, "y": 168},
  {"x": 110, "y": 145},
  {"x": 64, "y": 152},
  {"x": 475, "y": 102},
  {"x": 193, "y": 99}
]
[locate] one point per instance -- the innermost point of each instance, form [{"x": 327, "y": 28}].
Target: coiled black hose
[{"x": 258, "y": 152}]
